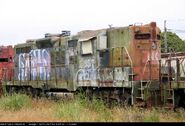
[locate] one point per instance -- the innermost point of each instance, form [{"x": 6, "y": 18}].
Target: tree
[{"x": 174, "y": 42}]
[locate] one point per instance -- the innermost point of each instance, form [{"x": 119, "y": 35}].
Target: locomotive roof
[
  {"x": 23, "y": 44},
  {"x": 81, "y": 36},
  {"x": 30, "y": 42},
  {"x": 89, "y": 34}
]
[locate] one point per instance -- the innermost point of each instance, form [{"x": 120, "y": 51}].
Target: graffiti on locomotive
[{"x": 34, "y": 65}]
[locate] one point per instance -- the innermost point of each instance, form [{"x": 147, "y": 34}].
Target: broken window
[
  {"x": 42, "y": 44},
  {"x": 72, "y": 43},
  {"x": 57, "y": 56},
  {"x": 23, "y": 50},
  {"x": 86, "y": 47}
]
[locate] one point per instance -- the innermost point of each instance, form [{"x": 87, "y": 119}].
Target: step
[
  {"x": 169, "y": 105},
  {"x": 140, "y": 98},
  {"x": 169, "y": 98},
  {"x": 166, "y": 107},
  {"x": 169, "y": 89},
  {"x": 131, "y": 74},
  {"x": 164, "y": 75},
  {"x": 140, "y": 104},
  {"x": 141, "y": 88},
  {"x": 144, "y": 83}
]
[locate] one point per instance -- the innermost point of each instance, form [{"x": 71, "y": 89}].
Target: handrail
[
  {"x": 132, "y": 92},
  {"x": 149, "y": 81},
  {"x": 145, "y": 68}
]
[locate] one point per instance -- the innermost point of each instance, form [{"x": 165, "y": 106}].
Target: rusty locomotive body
[
  {"x": 6, "y": 62},
  {"x": 121, "y": 64}
]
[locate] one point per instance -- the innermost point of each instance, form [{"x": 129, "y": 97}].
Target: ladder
[
  {"x": 168, "y": 95},
  {"x": 142, "y": 93},
  {"x": 169, "y": 98},
  {"x": 143, "y": 87}
]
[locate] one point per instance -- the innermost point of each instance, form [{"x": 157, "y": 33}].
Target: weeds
[
  {"x": 180, "y": 114},
  {"x": 68, "y": 110},
  {"x": 152, "y": 117},
  {"x": 4, "y": 90},
  {"x": 79, "y": 110},
  {"x": 14, "y": 102}
]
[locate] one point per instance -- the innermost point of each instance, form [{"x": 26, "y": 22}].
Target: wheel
[
  {"x": 11, "y": 90},
  {"x": 125, "y": 99}
]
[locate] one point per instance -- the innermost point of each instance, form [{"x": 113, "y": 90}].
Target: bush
[{"x": 14, "y": 102}]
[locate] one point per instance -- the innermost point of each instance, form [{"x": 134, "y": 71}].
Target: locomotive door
[{"x": 72, "y": 63}]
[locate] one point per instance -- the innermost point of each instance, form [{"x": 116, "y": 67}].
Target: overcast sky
[{"x": 29, "y": 19}]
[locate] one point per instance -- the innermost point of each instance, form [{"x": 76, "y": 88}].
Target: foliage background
[{"x": 174, "y": 42}]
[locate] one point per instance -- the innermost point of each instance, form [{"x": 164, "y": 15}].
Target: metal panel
[
  {"x": 87, "y": 47},
  {"x": 102, "y": 41},
  {"x": 35, "y": 64},
  {"x": 106, "y": 75},
  {"x": 118, "y": 74},
  {"x": 117, "y": 57},
  {"x": 62, "y": 73},
  {"x": 119, "y": 37}
]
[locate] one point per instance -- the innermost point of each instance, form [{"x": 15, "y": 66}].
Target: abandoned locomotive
[{"x": 118, "y": 63}]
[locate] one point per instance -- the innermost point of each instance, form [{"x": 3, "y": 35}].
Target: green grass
[
  {"x": 80, "y": 109},
  {"x": 68, "y": 110},
  {"x": 152, "y": 117},
  {"x": 14, "y": 102}
]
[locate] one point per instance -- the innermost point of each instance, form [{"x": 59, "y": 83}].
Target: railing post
[{"x": 178, "y": 72}]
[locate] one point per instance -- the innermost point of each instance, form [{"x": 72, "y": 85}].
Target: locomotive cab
[
  {"x": 6, "y": 63},
  {"x": 146, "y": 51}
]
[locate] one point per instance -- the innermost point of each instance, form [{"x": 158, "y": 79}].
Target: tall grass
[
  {"x": 152, "y": 117},
  {"x": 14, "y": 102},
  {"x": 80, "y": 109}
]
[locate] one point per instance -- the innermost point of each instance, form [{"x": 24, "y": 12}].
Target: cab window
[{"x": 142, "y": 36}]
